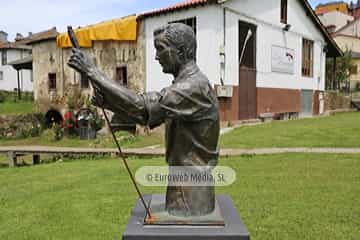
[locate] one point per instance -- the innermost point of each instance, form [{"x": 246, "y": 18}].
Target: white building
[
  {"x": 352, "y": 29},
  {"x": 283, "y": 68},
  {"x": 10, "y": 52},
  {"x": 348, "y": 39},
  {"x": 335, "y": 20}
]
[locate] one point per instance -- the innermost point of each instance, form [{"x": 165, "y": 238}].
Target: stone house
[{"x": 121, "y": 60}]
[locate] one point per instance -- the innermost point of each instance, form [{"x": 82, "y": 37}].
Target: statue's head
[{"x": 175, "y": 45}]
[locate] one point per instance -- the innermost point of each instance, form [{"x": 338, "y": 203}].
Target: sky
[{"x": 24, "y": 16}]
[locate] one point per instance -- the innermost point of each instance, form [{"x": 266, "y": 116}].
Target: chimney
[
  {"x": 19, "y": 36},
  {"x": 3, "y": 36}
]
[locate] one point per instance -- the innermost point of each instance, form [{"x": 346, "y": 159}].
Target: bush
[
  {"x": 58, "y": 132},
  {"x": 55, "y": 133},
  {"x": 75, "y": 100},
  {"x": 2, "y": 97},
  {"x": 357, "y": 86}
]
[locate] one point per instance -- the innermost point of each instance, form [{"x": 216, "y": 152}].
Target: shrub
[
  {"x": 2, "y": 97},
  {"x": 357, "y": 86},
  {"x": 55, "y": 133},
  {"x": 58, "y": 132}
]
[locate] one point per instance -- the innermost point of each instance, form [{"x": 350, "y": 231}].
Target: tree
[{"x": 342, "y": 72}]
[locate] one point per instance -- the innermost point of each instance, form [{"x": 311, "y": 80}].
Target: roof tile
[
  {"x": 178, "y": 6},
  {"x": 40, "y": 36}
]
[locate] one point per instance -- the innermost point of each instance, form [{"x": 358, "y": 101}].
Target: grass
[
  {"x": 20, "y": 107},
  {"x": 340, "y": 130},
  {"x": 126, "y": 141},
  {"x": 286, "y": 196}
]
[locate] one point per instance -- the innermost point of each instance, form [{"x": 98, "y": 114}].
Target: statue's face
[{"x": 167, "y": 56}]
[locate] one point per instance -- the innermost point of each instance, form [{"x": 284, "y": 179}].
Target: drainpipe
[
  {"x": 62, "y": 72},
  {"x": 334, "y": 75},
  {"x": 222, "y": 51},
  {"x": 18, "y": 82}
]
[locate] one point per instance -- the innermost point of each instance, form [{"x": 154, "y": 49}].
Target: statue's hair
[{"x": 181, "y": 37}]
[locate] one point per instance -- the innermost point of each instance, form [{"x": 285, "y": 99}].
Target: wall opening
[
  {"x": 247, "y": 66},
  {"x": 53, "y": 117},
  {"x": 121, "y": 76},
  {"x": 52, "y": 81}
]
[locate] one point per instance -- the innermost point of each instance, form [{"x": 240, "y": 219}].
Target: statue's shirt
[{"x": 189, "y": 108}]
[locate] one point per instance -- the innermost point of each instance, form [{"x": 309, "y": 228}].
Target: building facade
[
  {"x": 9, "y": 52},
  {"x": 335, "y": 20},
  {"x": 271, "y": 54},
  {"x": 55, "y": 81},
  {"x": 348, "y": 39},
  {"x": 339, "y": 6}
]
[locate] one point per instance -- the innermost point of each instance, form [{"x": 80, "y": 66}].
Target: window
[
  {"x": 191, "y": 22},
  {"x": 3, "y": 57},
  {"x": 52, "y": 81},
  {"x": 307, "y": 58},
  {"x": 283, "y": 11},
  {"x": 84, "y": 81},
  {"x": 121, "y": 76},
  {"x": 1, "y": 75},
  {"x": 354, "y": 69}
]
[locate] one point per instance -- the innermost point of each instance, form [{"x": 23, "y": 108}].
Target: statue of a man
[{"x": 188, "y": 107}]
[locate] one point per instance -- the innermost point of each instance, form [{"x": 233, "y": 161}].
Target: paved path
[{"x": 160, "y": 151}]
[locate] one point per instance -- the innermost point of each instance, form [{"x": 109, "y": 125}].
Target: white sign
[
  {"x": 282, "y": 60},
  {"x": 224, "y": 91}
]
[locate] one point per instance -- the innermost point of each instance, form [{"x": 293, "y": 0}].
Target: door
[
  {"x": 306, "y": 103},
  {"x": 247, "y": 75}
]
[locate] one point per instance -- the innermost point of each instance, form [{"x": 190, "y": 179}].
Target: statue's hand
[{"x": 81, "y": 62}]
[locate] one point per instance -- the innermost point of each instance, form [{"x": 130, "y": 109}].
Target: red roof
[{"x": 183, "y": 5}]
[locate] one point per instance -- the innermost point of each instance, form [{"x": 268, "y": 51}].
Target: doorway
[
  {"x": 306, "y": 103},
  {"x": 247, "y": 67}
]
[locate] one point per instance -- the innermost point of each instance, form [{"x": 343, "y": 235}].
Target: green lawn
[
  {"x": 21, "y": 107},
  {"x": 126, "y": 141},
  {"x": 340, "y": 130},
  {"x": 287, "y": 196}
]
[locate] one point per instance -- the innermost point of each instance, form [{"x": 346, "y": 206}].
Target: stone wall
[
  {"x": 335, "y": 100},
  {"x": 107, "y": 56},
  {"x": 20, "y": 126}
]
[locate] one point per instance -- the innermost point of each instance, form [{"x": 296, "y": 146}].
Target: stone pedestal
[{"x": 233, "y": 229}]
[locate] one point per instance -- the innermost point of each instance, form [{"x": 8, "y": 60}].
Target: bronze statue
[{"x": 188, "y": 107}]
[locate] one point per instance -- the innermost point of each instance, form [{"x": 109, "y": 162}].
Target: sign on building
[{"x": 282, "y": 59}]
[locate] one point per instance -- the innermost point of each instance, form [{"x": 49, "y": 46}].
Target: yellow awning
[{"x": 122, "y": 29}]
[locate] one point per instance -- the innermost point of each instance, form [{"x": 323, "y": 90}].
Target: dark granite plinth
[
  {"x": 234, "y": 229},
  {"x": 160, "y": 216}
]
